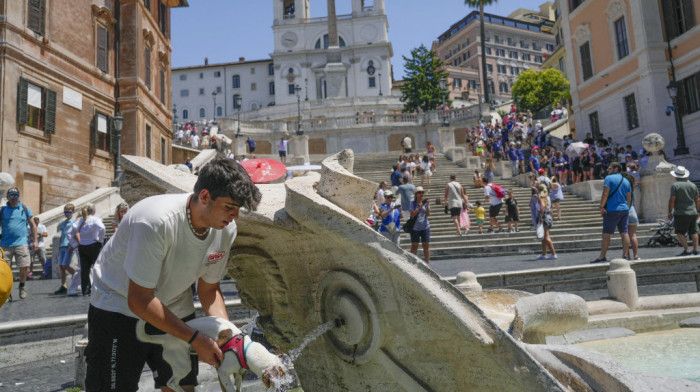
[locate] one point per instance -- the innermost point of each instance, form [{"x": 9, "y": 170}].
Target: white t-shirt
[
  {"x": 488, "y": 191},
  {"x": 40, "y": 229},
  {"x": 155, "y": 248}
]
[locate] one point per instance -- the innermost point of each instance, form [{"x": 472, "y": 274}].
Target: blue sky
[{"x": 224, "y": 30}]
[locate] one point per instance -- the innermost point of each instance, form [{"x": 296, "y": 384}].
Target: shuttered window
[
  {"x": 586, "y": 61},
  {"x": 147, "y": 62},
  {"x": 679, "y": 17},
  {"x": 102, "y": 49},
  {"x": 36, "y": 12},
  {"x": 101, "y": 131},
  {"x": 162, "y": 86},
  {"x": 36, "y": 106}
]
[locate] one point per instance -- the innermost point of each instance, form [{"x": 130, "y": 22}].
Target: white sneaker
[
  {"x": 552, "y": 257},
  {"x": 541, "y": 257}
]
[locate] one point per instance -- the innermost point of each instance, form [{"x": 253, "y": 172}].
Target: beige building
[
  {"x": 618, "y": 62},
  {"x": 66, "y": 68},
  {"x": 512, "y": 46}
]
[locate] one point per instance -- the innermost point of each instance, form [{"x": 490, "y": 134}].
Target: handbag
[
  {"x": 540, "y": 231},
  {"x": 392, "y": 229},
  {"x": 408, "y": 226}
]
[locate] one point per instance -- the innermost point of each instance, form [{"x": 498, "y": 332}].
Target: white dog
[{"x": 240, "y": 352}]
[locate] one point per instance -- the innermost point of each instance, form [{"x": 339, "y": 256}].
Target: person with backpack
[
  {"x": 14, "y": 242},
  {"x": 494, "y": 194}
]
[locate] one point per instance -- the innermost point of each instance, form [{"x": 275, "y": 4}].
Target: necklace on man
[{"x": 199, "y": 234}]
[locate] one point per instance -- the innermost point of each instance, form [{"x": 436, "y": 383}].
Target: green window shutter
[
  {"x": 42, "y": 17},
  {"x": 22, "y": 88},
  {"x": 102, "y": 50},
  {"x": 50, "y": 120},
  {"x": 93, "y": 134},
  {"x": 34, "y": 16},
  {"x": 669, "y": 19},
  {"x": 688, "y": 15}
]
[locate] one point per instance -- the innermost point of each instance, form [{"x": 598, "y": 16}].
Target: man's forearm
[
  {"x": 212, "y": 299},
  {"x": 149, "y": 308}
]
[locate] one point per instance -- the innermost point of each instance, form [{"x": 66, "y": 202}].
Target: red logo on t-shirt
[{"x": 214, "y": 257}]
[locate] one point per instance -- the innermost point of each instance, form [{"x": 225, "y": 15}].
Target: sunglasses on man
[{"x": 13, "y": 196}]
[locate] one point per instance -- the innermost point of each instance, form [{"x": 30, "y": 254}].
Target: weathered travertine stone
[
  {"x": 467, "y": 283},
  {"x": 548, "y": 314},
  {"x": 622, "y": 283},
  {"x": 351, "y": 193},
  {"x": 6, "y": 182},
  {"x": 690, "y": 323}
]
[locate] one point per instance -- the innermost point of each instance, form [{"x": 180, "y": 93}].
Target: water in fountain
[
  {"x": 280, "y": 383},
  {"x": 250, "y": 325}
]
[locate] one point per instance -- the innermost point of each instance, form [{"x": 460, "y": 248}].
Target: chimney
[
  {"x": 241, "y": 59},
  {"x": 206, "y": 61}
]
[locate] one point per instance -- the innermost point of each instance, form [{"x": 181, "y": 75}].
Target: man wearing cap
[
  {"x": 544, "y": 180},
  {"x": 391, "y": 218},
  {"x": 615, "y": 207},
  {"x": 14, "y": 242},
  {"x": 683, "y": 206}
]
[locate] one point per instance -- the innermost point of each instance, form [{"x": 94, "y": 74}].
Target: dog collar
[{"x": 235, "y": 344}]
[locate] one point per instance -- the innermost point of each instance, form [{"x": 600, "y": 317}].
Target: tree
[
  {"x": 422, "y": 89},
  {"x": 480, "y": 4},
  {"x": 535, "y": 91}
]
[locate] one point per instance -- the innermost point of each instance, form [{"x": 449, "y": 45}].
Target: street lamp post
[
  {"x": 681, "y": 148},
  {"x": 238, "y": 103},
  {"x": 213, "y": 114},
  {"x": 306, "y": 88},
  {"x": 117, "y": 124},
  {"x": 380, "y": 84},
  {"x": 443, "y": 84},
  {"x": 297, "y": 89},
  {"x": 174, "y": 118}
]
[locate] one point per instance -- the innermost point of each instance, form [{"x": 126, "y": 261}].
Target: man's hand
[
  {"x": 603, "y": 211},
  {"x": 207, "y": 350}
]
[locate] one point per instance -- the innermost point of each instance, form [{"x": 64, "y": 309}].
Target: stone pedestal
[
  {"x": 588, "y": 190},
  {"x": 238, "y": 146},
  {"x": 471, "y": 162},
  {"x": 467, "y": 283},
  {"x": 503, "y": 170},
  {"x": 455, "y": 154},
  {"x": 336, "y": 84},
  {"x": 447, "y": 139},
  {"x": 622, "y": 283},
  {"x": 299, "y": 146},
  {"x": 656, "y": 185}
]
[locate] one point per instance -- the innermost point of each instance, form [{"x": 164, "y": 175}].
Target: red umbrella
[{"x": 264, "y": 170}]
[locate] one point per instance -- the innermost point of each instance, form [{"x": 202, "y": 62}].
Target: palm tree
[{"x": 480, "y": 4}]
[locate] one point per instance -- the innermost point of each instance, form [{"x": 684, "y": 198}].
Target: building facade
[
  {"x": 314, "y": 59},
  {"x": 220, "y": 90},
  {"x": 512, "y": 46},
  {"x": 66, "y": 68},
  {"x": 621, "y": 56}
]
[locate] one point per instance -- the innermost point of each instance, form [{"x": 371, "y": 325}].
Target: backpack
[{"x": 498, "y": 190}]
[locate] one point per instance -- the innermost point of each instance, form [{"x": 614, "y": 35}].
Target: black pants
[{"x": 88, "y": 256}]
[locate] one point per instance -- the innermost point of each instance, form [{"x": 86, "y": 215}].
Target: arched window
[
  {"x": 219, "y": 112},
  {"x": 202, "y": 113},
  {"x": 185, "y": 114},
  {"x": 254, "y": 106},
  {"x": 236, "y": 81},
  {"x": 341, "y": 42}
]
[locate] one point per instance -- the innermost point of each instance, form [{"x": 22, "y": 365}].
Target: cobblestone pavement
[{"x": 57, "y": 373}]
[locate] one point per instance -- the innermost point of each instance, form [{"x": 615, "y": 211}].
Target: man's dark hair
[
  {"x": 617, "y": 165},
  {"x": 453, "y": 177},
  {"x": 226, "y": 178},
  {"x": 405, "y": 179},
  {"x": 394, "y": 167}
]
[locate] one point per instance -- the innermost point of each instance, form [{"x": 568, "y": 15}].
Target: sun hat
[
  {"x": 679, "y": 172},
  {"x": 418, "y": 189},
  {"x": 388, "y": 193}
]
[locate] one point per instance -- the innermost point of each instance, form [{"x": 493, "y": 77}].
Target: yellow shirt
[{"x": 480, "y": 213}]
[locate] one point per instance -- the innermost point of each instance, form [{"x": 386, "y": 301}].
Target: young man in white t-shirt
[{"x": 164, "y": 244}]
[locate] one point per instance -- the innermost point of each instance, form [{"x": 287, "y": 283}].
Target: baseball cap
[
  {"x": 12, "y": 192},
  {"x": 541, "y": 171}
]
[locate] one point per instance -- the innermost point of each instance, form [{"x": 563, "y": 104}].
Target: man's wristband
[{"x": 194, "y": 336}]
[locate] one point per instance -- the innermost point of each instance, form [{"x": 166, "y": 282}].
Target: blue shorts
[
  {"x": 421, "y": 236},
  {"x": 615, "y": 219},
  {"x": 283, "y": 154},
  {"x": 64, "y": 256}
]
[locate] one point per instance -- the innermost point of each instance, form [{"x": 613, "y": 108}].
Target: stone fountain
[{"x": 306, "y": 257}]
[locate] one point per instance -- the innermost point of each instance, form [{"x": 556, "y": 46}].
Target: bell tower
[{"x": 290, "y": 11}]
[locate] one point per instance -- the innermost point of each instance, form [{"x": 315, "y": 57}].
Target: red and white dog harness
[{"x": 235, "y": 344}]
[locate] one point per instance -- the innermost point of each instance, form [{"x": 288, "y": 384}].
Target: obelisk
[{"x": 335, "y": 71}]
